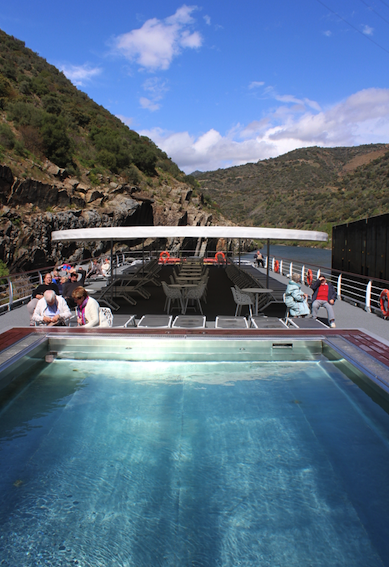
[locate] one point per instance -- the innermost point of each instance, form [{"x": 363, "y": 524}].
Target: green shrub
[
  {"x": 20, "y": 149},
  {"x": 25, "y": 114},
  {"x": 107, "y": 159},
  {"x": 144, "y": 158},
  {"x": 57, "y": 144},
  {"x": 52, "y": 104},
  {"x": 132, "y": 175},
  {"x": 7, "y": 137}
]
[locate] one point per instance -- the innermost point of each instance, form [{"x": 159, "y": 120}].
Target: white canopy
[{"x": 131, "y": 232}]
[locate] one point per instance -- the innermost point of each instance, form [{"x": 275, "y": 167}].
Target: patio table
[{"x": 257, "y": 291}]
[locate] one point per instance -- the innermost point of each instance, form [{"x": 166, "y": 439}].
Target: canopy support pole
[
  {"x": 267, "y": 263},
  {"x": 143, "y": 258},
  {"x": 112, "y": 269}
]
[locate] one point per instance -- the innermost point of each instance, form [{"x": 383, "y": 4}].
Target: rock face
[{"x": 31, "y": 210}]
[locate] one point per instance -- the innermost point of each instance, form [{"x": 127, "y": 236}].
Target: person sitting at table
[
  {"x": 37, "y": 294},
  {"x": 295, "y": 299},
  {"x": 72, "y": 283},
  {"x": 51, "y": 310},
  {"x": 88, "y": 309}
]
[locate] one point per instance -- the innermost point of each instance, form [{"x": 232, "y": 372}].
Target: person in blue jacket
[{"x": 295, "y": 299}]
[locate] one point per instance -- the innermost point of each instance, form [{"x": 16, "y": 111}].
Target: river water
[{"x": 312, "y": 256}]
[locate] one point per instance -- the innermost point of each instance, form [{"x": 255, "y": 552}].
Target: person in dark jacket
[
  {"x": 71, "y": 284},
  {"x": 324, "y": 295},
  {"x": 38, "y": 293}
]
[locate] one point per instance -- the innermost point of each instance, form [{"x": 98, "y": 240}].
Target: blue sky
[{"x": 216, "y": 84}]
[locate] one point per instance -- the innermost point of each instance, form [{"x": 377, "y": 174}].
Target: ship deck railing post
[
  {"x": 339, "y": 287},
  {"x": 368, "y": 297}
]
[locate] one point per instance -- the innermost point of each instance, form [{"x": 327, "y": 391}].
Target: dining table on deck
[{"x": 257, "y": 291}]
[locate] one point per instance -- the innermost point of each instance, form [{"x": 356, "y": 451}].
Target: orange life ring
[
  {"x": 384, "y": 297},
  {"x": 309, "y": 277},
  {"x": 276, "y": 266},
  {"x": 164, "y": 256},
  {"x": 220, "y": 254}
]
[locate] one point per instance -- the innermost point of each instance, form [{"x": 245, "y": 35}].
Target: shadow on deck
[{"x": 219, "y": 298}]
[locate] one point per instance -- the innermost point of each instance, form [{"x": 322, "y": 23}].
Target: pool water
[{"x": 182, "y": 464}]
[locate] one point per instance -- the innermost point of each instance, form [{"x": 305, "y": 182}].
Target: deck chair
[
  {"x": 242, "y": 299},
  {"x": 173, "y": 295},
  {"x": 195, "y": 294},
  {"x": 268, "y": 323},
  {"x": 309, "y": 323},
  {"x": 189, "y": 322},
  {"x": 287, "y": 320},
  {"x": 224, "y": 322},
  {"x": 155, "y": 321},
  {"x": 105, "y": 315}
]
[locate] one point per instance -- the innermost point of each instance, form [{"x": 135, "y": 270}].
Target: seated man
[
  {"x": 37, "y": 294},
  {"x": 71, "y": 284},
  {"x": 51, "y": 310},
  {"x": 259, "y": 258},
  {"x": 295, "y": 299},
  {"x": 324, "y": 296}
]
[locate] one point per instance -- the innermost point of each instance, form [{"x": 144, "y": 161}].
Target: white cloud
[
  {"x": 125, "y": 119},
  {"x": 156, "y": 88},
  {"x": 256, "y": 84},
  {"x": 158, "y": 42},
  {"x": 207, "y": 20},
  {"x": 360, "y": 119},
  {"x": 149, "y": 104},
  {"x": 327, "y": 33},
  {"x": 80, "y": 74},
  {"x": 367, "y": 30}
]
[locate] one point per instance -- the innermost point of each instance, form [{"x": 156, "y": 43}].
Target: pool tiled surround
[{"x": 368, "y": 344}]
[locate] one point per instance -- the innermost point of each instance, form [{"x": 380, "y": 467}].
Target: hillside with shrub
[
  {"x": 66, "y": 162},
  {"x": 42, "y": 115},
  {"x": 309, "y": 188}
]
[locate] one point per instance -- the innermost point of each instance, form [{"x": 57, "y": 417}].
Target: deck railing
[
  {"x": 16, "y": 289},
  {"x": 362, "y": 291}
]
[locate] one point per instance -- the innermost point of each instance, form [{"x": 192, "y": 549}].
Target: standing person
[
  {"x": 71, "y": 284},
  {"x": 88, "y": 314},
  {"x": 37, "y": 294},
  {"x": 324, "y": 296},
  {"x": 51, "y": 310},
  {"x": 295, "y": 298}
]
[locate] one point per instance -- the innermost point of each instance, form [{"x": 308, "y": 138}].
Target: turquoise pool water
[{"x": 200, "y": 463}]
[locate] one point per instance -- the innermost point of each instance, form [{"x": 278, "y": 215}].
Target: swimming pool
[{"x": 191, "y": 452}]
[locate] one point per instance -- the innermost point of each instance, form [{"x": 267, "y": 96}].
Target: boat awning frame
[{"x": 142, "y": 232}]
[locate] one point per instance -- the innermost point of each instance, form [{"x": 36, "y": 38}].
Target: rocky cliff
[{"x": 31, "y": 209}]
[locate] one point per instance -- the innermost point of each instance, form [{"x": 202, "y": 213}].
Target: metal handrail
[
  {"x": 361, "y": 290},
  {"x": 16, "y": 289}
]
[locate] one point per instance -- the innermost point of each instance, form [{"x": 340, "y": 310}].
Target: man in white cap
[{"x": 51, "y": 310}]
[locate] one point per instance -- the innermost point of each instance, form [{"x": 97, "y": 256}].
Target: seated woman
[
  {"x": 295, "y": 299},
  {"x": 87, "y": 309}
]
